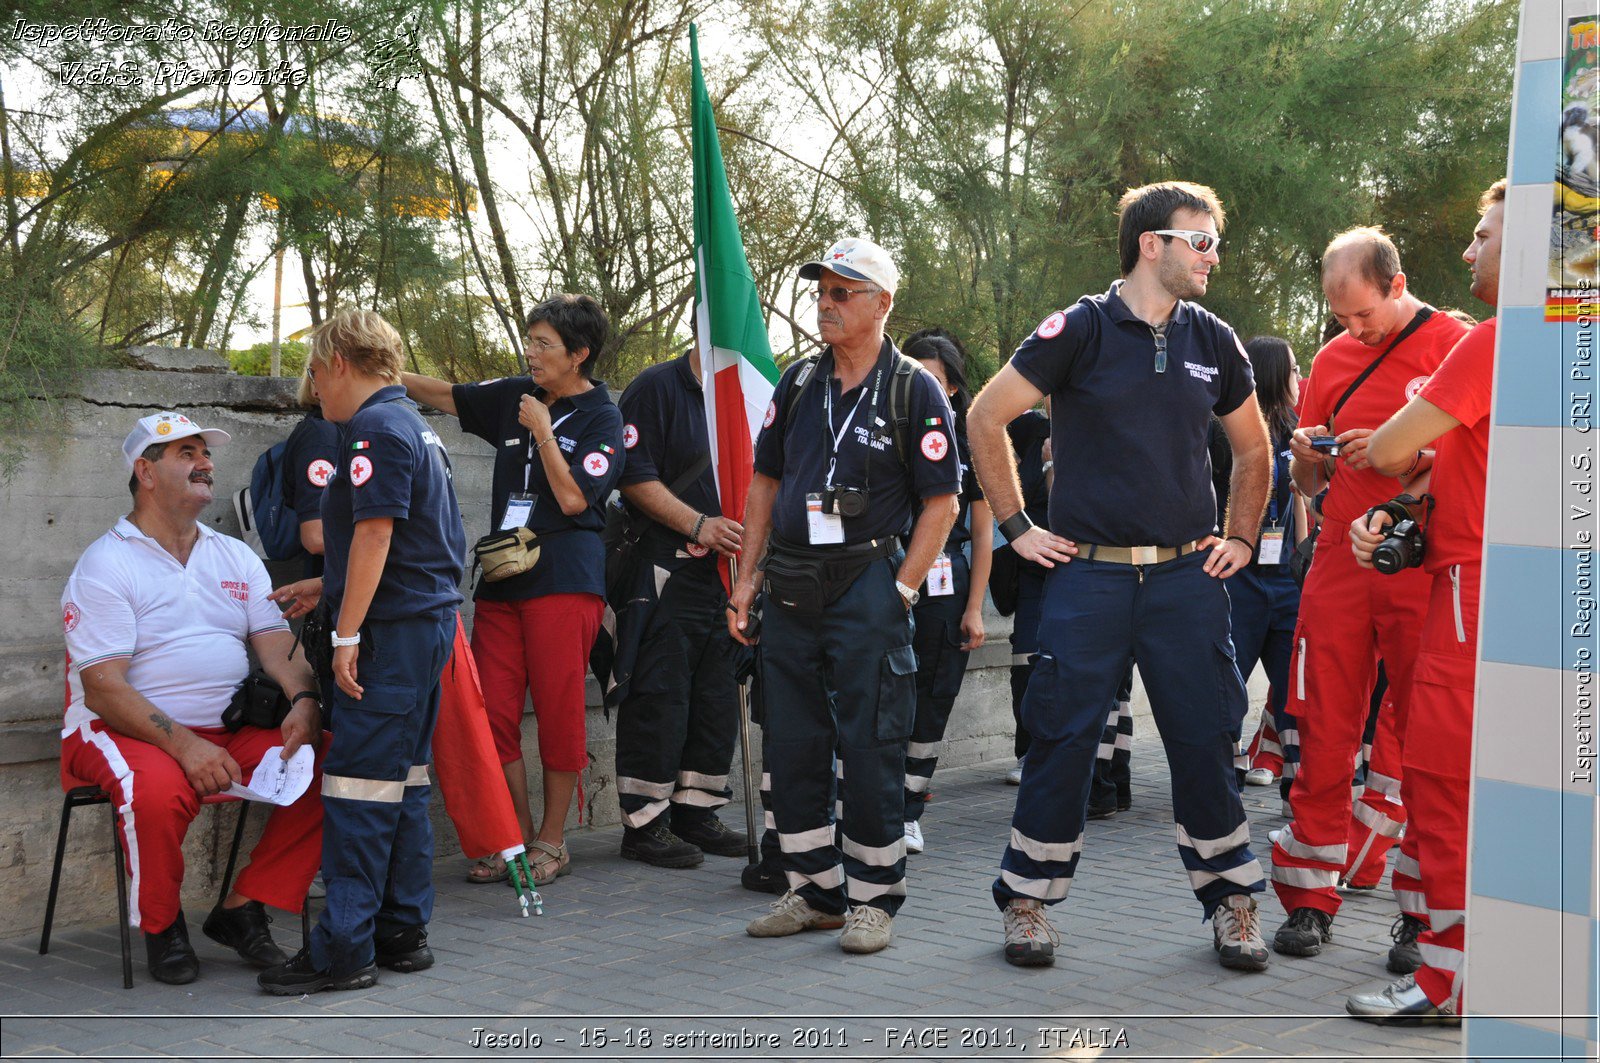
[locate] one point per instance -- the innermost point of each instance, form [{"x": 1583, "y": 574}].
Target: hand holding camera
[
  {"x": 1388, "y": 538},
  {"x": 1312, "y": 444}
]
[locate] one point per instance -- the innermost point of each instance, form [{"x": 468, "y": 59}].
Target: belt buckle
[{"x": 1144, "y": 555}]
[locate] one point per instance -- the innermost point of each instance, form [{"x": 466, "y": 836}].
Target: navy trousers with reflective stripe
[
  {"x": 1174, "y": 623},
  {"x": 377, "y": 842},
  {"x": 941, "y": 667},
  {"x": 1025, "y": 643},
  {"x": 841, "y": 683}
]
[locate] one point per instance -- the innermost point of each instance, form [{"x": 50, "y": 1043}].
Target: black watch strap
[
  {"x": 312, "y": 694},
  {"x": 1015, "y": 526}
]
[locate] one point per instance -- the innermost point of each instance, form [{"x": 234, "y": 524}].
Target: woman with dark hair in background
[
  {"x": 949, "y": 615},
  {"x": 1265, "y": 598}
]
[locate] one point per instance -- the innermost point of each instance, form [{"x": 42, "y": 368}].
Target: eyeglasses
[
  {"x": 541, "y": 348},
  {"x": 1161, "y": 352},
  {"x": 1201, "y": 242},
  {"x": 838, "y": 293}
]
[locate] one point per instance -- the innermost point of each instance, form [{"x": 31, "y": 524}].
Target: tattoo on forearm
[{"x": 160, "y": 720}]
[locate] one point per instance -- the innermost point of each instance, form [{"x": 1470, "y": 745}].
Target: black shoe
[
  {"x": 299, "y": 976},
  {"x": 655, "y": 844},
  {"x": 1124, "y": 795},
  {"x": 245, "y": 930},
  {"x": 1405, "y": 957},
  {"x": 169, "y": 955},
  {"x": 1304, "y": 933},
  {"x": 404, "y": 950},
  {"x": 1101, "y": 811},
  {"x": 1102, "y": 798},
  {"x": 709, "y": 834},
  {"x": 765, "y": 877}
]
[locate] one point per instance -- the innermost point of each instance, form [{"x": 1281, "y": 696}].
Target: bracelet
[
  {"x": 1414, "y": 463},
  {"x": 353, "y": 640},
  {"x": 1047, "y": 466},
  {"x": 701, "y": 523},
  {"x": 540, "y": 445},
  {"x": 1241, "y": 539},
  {"x": 1016, "y": 526},
  {"x": 312, "y": 694}
]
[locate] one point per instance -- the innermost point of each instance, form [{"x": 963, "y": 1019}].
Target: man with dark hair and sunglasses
[
  {"x": 837, "y": 480},
  {"x": 1136, "y": 561}
]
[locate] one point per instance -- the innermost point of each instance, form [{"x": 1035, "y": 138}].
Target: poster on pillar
[{"x": 1575, "y": 231}]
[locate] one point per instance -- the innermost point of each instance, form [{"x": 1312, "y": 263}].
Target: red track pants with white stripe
[
  {"x": 1349, "y": 617},
  {"x": 1439, "y": 774},
  {"x": 157, "y": 804}
]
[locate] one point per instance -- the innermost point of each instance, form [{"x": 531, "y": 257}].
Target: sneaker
[
  {"x": 1030, "y": 939},
  {"x": 1405, "y": 957},
  {"x": 1014, "y": 776},
  {"x": 1273, "y": 835},
  {"x": 1346, "y": 886},
  {"x": 765, "y": 877},
  {"x": 169, "y": 956},
  {"x": 1401, "y": 1003},
  {"x": 1236, "y": 932},
  {"x": 1259, "y": 777},
  {"x": 298, "y": 976},
  {"x": 866, "y": 929},
  {"x": 791, "y": 914},
  {"x": 1303, "y": 933},
  {"x": 656, "y": 845},
  {"x": 710, "y": 835},
  {"x": 913, "y": 836},
  {"x": 404, "y": 950},
  {"x": 245, "y": 930}
]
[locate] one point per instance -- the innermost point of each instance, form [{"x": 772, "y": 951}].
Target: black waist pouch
[
  {"x": 259, "y": 702},
  {"x": 316, "y": 641},
  {"x": 805, "y": 580}
]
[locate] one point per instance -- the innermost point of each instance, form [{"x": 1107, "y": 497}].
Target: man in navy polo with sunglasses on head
[{"x": 1136, "y": 561}]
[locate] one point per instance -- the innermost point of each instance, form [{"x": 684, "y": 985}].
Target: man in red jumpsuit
[
  {"x": 1351, "y": 616},
  {"x": 1454, "y": 409}
]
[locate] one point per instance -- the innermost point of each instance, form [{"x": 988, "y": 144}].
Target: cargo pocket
[
  {"x": 1231, "y": 697},
  {"x": 376, "y": 734},
  {"x": 1044, "y": 712},
  {"x": 951, "y": 667},
  {"x": 897, "y": 694}
]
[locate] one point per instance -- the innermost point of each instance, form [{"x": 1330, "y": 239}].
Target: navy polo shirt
[
  {"x": 391, "y": 464},
  {"x": 1028, "y": 434},
  {"x": 309, "y": 455},
  {"x": 664, "y": 435},
  {"x": 588, "y": 429},
  {"x": 961, "y": 531},
  {"x": 1129, "y": 443},
  {"x": 796, "y": 449}
]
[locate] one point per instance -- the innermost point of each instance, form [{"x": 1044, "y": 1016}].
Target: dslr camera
[
  {"x": 845, "y": 501},
  {"x": 1403, "y": 546}
]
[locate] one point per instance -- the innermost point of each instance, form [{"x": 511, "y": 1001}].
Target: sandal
[
  {"x": 548, "y": 862},
  {"x": 491, "y": 868}
]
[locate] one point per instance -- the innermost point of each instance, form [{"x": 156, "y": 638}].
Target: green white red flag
[{"x": 735, "y": 352}]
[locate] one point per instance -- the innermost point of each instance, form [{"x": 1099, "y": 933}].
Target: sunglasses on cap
[{"x": 1201, "y": 242}]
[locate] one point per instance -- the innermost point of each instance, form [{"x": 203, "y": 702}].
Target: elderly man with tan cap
[
  {"x": 159, "y": 614},
  {"x": 856, "y": 451}
]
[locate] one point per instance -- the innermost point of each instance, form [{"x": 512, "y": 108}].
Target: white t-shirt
[{"x": 185, "y": 627}]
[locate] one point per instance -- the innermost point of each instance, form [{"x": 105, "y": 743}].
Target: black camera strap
[{"x": 1421, "y": 318}]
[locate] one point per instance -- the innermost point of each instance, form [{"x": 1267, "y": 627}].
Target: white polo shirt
[{"x": 185, "y": 627}]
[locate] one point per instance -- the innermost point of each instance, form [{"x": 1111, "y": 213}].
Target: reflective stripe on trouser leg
[
  {"x": 713, "y": 733},
  {"x": 1378, "y": 816},
  {"x": 941, "y": 667},
  {"x": 377, "y": 851},
  {"x": 1198, "y": 702}
]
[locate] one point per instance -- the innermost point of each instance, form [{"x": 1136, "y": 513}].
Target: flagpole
[{"x": 751, "y": 793}]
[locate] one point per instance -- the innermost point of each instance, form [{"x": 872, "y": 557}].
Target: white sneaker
[
  {"x": 913, "y": 837},
  {"x": 1014, "y": 776},
  {"x": 1259, "y": 777},
  {"x": 1272, "y": 836},
  {"x": 1286, "y": 811}
]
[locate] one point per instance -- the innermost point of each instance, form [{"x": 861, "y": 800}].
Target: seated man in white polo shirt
[{"x": 158, "y": 613}]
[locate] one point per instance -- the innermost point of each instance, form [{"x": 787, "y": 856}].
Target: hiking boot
[
  {"x": 1405, "y": 957},
  {"x": 866, "y": 929},
  {"x": 656, "y": 845},
  {"x": 169, "y": 956},
  {"x": 1030, "y": 939},
  {"x": 710, "y": 835},
  {"x": 765, "y": 877},
  {"x": 245, "y": 930},
  {"x": 913, "y": 836},
  {"x": 1303, "y": 933},
  {"x": 404, "y": 950},
  {"x": 1236, "y": 933},
  {"x": 1401, "y": 1003},
  {"x": 300, "y": 976},
  {"x": 791, "y": 914}
]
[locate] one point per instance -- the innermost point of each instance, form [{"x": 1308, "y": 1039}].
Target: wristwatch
[
  {"x": 910, "y": 594},
  {"x": 312, "y": 694}
]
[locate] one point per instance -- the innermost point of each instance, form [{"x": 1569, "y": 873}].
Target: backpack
[
  {"x": 267, "y": 523},
  {"x": 904, "y": 371}
]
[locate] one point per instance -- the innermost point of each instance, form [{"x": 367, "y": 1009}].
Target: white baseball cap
[
  {"x": 858, "y": 258},
  {"x": 164, "y": 427}
]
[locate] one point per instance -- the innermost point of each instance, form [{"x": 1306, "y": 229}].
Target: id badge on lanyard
[
  {"x": 1271, "y": 549},
  {"x": 823, "y": 529},
  {"x": 519, "y": 507},
  {"x": 941, "y": 577}
]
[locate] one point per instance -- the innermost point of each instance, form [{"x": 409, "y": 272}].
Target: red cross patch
[
  {"x": 630, "y": 436},
  {"x": 1051, "y": 326},
  {"x": 772, "y": 415},
  {"x": 935, "y": 446},
  {"x": 596, "y": 464},
  {"x": 70, "y": 615},
  {"x": 360, "y": 469},
  {"x": 696, "y": 550},
  {"x": 319, "y": 472},
  {"x": 1415, "y": 386}
]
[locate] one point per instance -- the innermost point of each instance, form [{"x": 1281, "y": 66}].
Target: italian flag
[{"x": 735, "y": 353}]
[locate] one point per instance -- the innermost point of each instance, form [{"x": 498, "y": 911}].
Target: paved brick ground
[{"x": 632, "y": 949}]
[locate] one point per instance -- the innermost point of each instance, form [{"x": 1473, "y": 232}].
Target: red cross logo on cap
[{"x": 934, "y": 446}]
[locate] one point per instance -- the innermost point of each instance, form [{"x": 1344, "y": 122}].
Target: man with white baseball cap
[
  {"x": 159, "y": 614},
  {"x": 858, "y": 259}
]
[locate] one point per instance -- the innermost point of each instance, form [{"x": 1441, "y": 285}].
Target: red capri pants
[{"x": 538, "y": 648}]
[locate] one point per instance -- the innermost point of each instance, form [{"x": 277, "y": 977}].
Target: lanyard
[
  {"x": 527, "y": 470},
  {"x": 837, "y": 438}
]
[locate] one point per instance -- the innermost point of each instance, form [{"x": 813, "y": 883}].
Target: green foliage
[{"x": 256, "y": 360}]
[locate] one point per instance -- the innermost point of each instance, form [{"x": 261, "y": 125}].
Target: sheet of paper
[{"x": 275, "y": 780}]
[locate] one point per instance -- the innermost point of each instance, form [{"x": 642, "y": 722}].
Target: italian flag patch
[
  {"x": 361, "y": 444},
  {"x": 607, "y": 449},
  {"x": 931, "y": 421}
]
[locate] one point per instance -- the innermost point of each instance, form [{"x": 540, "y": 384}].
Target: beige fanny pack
[{"x": 507, "y": 553}]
